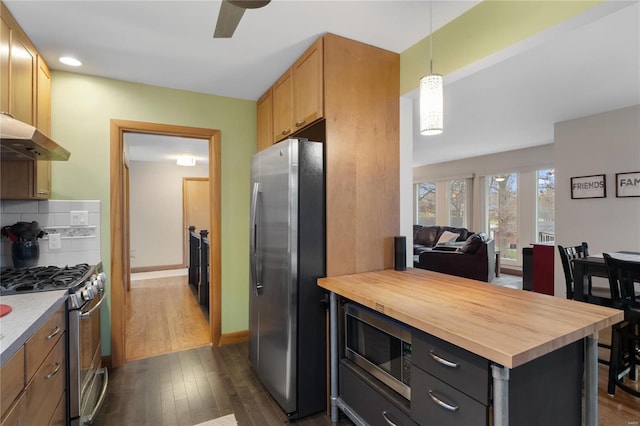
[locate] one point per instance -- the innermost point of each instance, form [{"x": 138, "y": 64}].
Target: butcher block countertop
[{"x": 507, "y": 326}]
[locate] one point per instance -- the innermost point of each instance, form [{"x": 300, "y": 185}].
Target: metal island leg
[
  {"x": 591, "y": 380},
  {"x": 333, "y": 354},
  {"x": 500, "y": 376}
]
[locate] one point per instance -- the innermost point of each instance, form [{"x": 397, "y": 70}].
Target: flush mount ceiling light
[
  {"x": 68, "y": 60},
  {"x": 500, "y": 178},
  {"x": 431, "y": 94},
  {"x": 186, "y": 160}
]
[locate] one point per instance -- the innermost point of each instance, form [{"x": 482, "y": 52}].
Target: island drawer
[
  {"x": 436, "y": 403},
  {"x": 374, "y": 402},
  {"x": 40, "y": 344},
  {"x": 453, "y": 365}
]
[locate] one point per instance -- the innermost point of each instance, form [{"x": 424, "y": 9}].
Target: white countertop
[{"x": 29, "y": 312}]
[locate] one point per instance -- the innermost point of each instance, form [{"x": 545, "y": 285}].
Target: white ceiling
[{"x": 587, "y": 65}]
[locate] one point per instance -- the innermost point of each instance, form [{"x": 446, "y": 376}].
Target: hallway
[{"x": 162, "y": 316}]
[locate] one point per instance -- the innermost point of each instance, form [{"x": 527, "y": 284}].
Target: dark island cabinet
[{"x": 370, "y": 399}]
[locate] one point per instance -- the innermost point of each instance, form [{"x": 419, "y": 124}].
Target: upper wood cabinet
[
  {"x": 308, "y": 79},
  {"x": 298, "y": 97},
  {"x": 25, "y": 92},
  {"x": 347, "y": 94},
  {"x": 265, "y": 120},
  {"x": 283, "y": 106}
]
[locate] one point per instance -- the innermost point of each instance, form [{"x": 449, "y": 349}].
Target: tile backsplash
[{"x": 79, "y": 243}]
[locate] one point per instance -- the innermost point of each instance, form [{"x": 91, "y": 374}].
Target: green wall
[
  {"x": 82, "y": 107},
  {"x": 489, "y": 27}
]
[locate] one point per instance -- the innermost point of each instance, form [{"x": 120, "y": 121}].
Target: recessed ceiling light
[
  {"x": 68, "y": 60},
  {"x": 186, "y": 160}
]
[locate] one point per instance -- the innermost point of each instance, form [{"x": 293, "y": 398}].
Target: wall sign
[
  {"x": 628, "y": 184},
  {"x": 588, "y": 187}
]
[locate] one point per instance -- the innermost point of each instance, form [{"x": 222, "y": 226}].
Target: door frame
[{"x": 119, "y": 264}]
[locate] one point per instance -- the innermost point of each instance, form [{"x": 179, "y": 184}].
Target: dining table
[{"x": 594, "y": 266}]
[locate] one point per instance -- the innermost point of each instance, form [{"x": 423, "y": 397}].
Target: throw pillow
[
  {"x": 447, "y": 237},
  {"x": 473, "y": 243}
]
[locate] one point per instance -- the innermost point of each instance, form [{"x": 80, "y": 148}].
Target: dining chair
[
  {"x": 625, "y": 337},
  {"x": 567, "y": 255}
]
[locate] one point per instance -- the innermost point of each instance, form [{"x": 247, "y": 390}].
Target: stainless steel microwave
[{"x": 379, "y": 345}]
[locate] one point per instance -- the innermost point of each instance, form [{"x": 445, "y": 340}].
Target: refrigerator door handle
[{"x": 254, "y": 235}]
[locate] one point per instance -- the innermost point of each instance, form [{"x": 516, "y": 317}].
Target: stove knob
[
  {"x": 86, "y": 294},
  {"x": 102, "y": 277}
]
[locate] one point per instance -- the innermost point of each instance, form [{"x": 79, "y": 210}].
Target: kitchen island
[{"x": 507, "y": 327}]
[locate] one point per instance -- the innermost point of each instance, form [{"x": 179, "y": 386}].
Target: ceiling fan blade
[{"x": 228, "y": 20}]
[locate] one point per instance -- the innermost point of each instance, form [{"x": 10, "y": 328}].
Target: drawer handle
[
  {"x": 386, "y": 419},
  {"x": 443, "y": 361},
  {"x": 442, "y": 403},
  {"x": 286, "y": 132},
  {"x": 55, "y": 332},
  {"x": 300, "y": 123},
  {"x": 54, "y": 372}
]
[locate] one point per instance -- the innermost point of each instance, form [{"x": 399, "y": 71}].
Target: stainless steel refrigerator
[{"x": 287, "y": 337}]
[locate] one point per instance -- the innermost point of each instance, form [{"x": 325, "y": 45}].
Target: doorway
[{"x": 120, "y": 261}]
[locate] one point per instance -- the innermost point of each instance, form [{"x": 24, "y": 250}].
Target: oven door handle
[
  {"x": 90, "y": 311},
  {"x": 89, "y": 419}
]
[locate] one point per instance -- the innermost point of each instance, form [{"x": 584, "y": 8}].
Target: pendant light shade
[
  {"x": 431, "y": 94},
  {"x": 431, "y": 104}
]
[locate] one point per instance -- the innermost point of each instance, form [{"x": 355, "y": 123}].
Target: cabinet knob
[
  {"x": 286, "y": 132},
  {"x": 300, "y": 123}
]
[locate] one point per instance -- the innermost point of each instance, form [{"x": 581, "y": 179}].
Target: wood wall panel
[{"x": 362, "y": 104}]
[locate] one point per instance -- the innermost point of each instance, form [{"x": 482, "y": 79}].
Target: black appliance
[{"x": 379, "y": 345}]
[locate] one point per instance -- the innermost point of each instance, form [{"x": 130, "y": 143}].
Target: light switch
[
  {"x": 79, "y": 218},
  {"x": 54, "y": 242}
]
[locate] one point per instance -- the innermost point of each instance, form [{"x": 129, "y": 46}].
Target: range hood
[{"x": 22, "y": 141}]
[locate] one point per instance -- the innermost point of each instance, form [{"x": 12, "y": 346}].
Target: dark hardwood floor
[{"x": 191, "y": 387}]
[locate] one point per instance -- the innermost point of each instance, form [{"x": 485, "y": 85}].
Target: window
[
  {"x": 502, "y": 213},
  {"x": 545, "y": 224},
  {"x": 457, "y": 203},
  {"x": 426, "y": 203}
]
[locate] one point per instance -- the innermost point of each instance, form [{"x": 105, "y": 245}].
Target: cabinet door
[
  {"x": 283, "y": 106},
  {"x": 22, "y": 72},
  {"x": 5, "y": 40},
  {"x": 308, "y": 88},
  {"x": 43, "y": 123},
  {"x": 265, "y": 120}
]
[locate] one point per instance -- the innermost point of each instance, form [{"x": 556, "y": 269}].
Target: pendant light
[{"x": 431, "y": 94}]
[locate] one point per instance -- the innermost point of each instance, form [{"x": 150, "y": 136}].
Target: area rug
[{"x": 229, "y": 420}]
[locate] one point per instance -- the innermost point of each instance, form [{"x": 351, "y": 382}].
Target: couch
[
  {"x": 475, "y": 259},
  {"x": 427, "y": 237}
]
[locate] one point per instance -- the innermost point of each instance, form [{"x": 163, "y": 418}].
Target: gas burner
[{"x": 42, "y": 278}]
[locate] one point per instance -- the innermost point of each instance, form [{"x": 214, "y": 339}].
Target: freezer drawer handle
[
  {"x": 443, "y": 361},
  {"x": 442, "y": 403},
  {"x": 386, "y": 419}
]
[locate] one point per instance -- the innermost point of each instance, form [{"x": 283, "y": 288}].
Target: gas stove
[{"x": 43, "y": 278}]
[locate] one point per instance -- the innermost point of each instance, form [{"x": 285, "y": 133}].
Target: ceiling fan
[{"x": 230, "y": 13}]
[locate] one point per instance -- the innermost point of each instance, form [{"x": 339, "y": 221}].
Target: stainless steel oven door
[{"x": 85, "y": 362}]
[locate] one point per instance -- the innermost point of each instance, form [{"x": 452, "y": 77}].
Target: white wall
[
  {"x": 156, "y": 212},
  {"x": 606, "y": 143}
]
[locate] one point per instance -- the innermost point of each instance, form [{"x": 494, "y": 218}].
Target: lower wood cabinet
[
  {"x": 370, "y": 399},
  {"x": 33, "y": 380}
]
